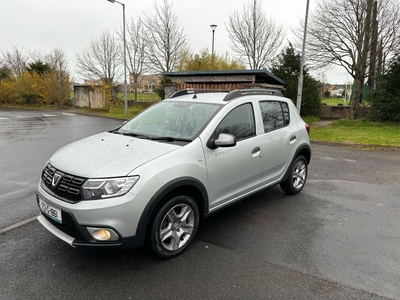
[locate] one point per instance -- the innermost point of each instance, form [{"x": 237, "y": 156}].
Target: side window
[
  {"x": 239, "y": 122},
  {"x": 275, "y": 115},
  {"x": 286, "y": 114}
]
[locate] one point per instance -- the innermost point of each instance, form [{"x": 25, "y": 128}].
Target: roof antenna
[{"x": 195, "y": 96}]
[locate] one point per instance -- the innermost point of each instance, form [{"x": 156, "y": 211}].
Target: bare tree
[
  {"x": 345, "y": 33},
  {"x": 36, "y": 55},
  {"x": 60, "y": 81},
  {"x": 168, "y": 40},
  {"x": 253, "y": 36},
  {"x": 15, "y": 60},
  {"x": 100, "y": 60},
  {"x": 136, "y": 43}
]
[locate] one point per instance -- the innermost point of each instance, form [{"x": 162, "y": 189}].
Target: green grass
[
  {"x": 140, "y": 96},
  {"x": 310, "y": 119},
  {"x": 119, "y": 111},
  {"x": 114, "y": 112},
  {"x": 338, "y": 101},
  {"x": 334, "y": 101},
  {"x": 362, "y": 132}
]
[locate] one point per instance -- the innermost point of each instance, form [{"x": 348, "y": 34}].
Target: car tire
[
  {"x": 298, "y": 171},
  {"x": 174, "y": 226}
]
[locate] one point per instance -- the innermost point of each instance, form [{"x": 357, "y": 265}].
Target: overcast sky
[{"x": 71, "y": 24}]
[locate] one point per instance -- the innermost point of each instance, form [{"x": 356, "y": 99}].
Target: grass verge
[
  {"x": 114, "y": 112},
  {"x": 334, "y": 101},
  {"x": 348, "y": 131}
]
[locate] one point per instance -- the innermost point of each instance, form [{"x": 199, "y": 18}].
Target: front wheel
[
  {"x": 174, "y": 226},
  {"x": 297, "y": 176}
]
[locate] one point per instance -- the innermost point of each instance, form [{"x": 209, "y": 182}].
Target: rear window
[{"x": 275, "y": 115}]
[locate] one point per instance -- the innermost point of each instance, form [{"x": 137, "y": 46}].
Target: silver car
[{"x": 155, "y": 177}]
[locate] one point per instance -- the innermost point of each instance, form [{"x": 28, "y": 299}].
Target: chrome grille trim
[{"x": 68, "y": 188}]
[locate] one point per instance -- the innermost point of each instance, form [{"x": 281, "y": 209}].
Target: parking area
[{"x": 337, "y": 239}]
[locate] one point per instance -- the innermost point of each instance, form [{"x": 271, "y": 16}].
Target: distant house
[
  {"x": 146, "y": 82},
  {"x": 338, "y": 90}
]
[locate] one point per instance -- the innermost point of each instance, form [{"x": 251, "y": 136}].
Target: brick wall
[{"x": 339, "y": 112}]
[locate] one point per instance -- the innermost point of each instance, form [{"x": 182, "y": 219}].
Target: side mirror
[{"x": 223, "y": 140}]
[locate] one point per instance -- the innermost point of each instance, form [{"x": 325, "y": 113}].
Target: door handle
[
  {"x": 256, "y": 149},
  {"x": 256, "y": 152},
  {"x": 292, "y": 139}
]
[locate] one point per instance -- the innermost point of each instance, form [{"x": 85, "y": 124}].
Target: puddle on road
[{"x": 21, "y": 128}]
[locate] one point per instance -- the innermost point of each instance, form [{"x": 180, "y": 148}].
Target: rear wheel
[
  {"x": 297, "y": 176},
  {"x": 174, "y": 226}
]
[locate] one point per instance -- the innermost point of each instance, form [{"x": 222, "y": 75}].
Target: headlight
[{"x": 110, "y": 187}]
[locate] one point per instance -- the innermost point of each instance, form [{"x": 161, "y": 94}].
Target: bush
[
  {"x": 385, "y": 100},
  {"x": 327, "y": 94},
  {"x": 384, "y": 106},
  {"x": 8, "y": 92},
  {"x": 30, "y": 98},
  {"x": 160, "y": 89}
]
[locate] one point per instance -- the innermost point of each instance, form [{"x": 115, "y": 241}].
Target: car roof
[
  {"x": 220, "y": 96},
  {"x": 201, "y": 97}
]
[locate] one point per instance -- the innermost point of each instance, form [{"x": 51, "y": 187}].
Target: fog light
[{"x": 103, "y": 234}]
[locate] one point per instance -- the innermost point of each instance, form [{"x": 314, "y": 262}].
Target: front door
[{"x": 234, "y": 171}]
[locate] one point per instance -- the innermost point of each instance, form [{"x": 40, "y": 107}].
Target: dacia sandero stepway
[{"x": 156, "y": 176}]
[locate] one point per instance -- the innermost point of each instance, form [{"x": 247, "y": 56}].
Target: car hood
[{"x": 108, "y": 155}]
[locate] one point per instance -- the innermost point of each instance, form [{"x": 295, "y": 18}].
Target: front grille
[{"x": 65, "y": 186}]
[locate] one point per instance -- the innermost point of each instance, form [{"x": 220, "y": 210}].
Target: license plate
[{"x": 51, "y": 211}]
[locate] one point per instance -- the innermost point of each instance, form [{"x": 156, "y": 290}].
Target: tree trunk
[
  {"x": 135, "y": 85},
  {"x": 362, "y": 64},
  {"x": 357, "y": 95}
]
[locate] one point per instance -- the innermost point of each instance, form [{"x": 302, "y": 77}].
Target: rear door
[{"x": 279, "y": 142}]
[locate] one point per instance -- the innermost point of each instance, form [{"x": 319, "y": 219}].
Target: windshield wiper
[
  {"x": 136, "y": 135},
  {"x": 155, "y": 138},
  {"x": 169, "y": 139},
  {"x": 115, "y": 131}
]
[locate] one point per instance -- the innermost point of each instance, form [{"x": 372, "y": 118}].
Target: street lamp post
[
  {"x": 125, "y": 82},
  {"x": 300, "y": 86},
  {"x": 213, "y": 26}
]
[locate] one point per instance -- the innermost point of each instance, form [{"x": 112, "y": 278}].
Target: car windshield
[{"x": 170, "y": 121}]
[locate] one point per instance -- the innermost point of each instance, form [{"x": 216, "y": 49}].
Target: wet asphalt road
[{"x": 338, "y": 239}]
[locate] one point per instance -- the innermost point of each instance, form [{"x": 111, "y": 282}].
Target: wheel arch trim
[
  {"x": 302, "y": 148},
  {"x": 157, "y": 199}
]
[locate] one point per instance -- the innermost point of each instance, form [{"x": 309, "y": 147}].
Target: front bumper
[
  {"x": 121, "y": 215},
  {"x": 54, "y": 230}
]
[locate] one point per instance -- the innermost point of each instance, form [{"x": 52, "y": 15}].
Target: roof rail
[
  {"x": 245, "y": 92},
  {"x": 195, "y": 91}
]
